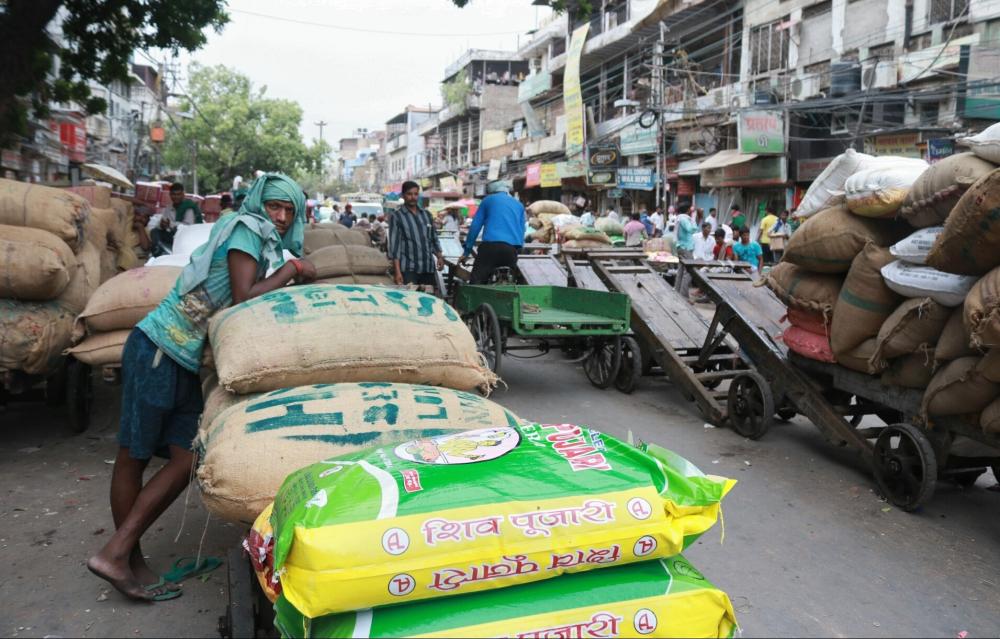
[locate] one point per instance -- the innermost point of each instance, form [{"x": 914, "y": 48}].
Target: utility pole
[
  {"x": 658, "y": 105},
  {"x": 194, "y": 166},
  {"x": 320, "y": 124}
]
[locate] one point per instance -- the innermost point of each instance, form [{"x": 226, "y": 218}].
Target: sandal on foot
[
  {"x": 166, "y": 595},
  {"x": 186, "y": 568}
]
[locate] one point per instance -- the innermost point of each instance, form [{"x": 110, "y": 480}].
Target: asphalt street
[{"x": 809, "y": 548}]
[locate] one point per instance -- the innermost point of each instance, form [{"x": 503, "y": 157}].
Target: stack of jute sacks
[
  {"x": 309, "y": 372},
  {"x": 528, "y": 530},
  {"x": 867, "y": 291},
  {"x": 112, "y": 220},
  {"x": 50, "y": 264},
  {"x": 556, "y": 224},
  {"x": 344, "y": 256},
  {"x": 100, "y": 331}
]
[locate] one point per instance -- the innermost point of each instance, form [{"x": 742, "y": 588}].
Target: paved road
[{"x": 809, "y": 549}]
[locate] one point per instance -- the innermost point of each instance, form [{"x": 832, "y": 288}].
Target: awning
[
  {"x": 689, "y": 167},
  {"x": 725, "y": 158}
]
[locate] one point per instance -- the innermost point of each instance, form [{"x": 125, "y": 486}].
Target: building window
[
  {"x": 769, "y": 47},
  {"x": 948, "y": 10},
  {"x": 817, "y": 9}
]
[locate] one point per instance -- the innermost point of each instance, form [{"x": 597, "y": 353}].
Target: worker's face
[
  {"x": 176, "y": 197},
  {"x": 411, "y": 196},
  {"x": 281, "y": 213},
  {"x": 745, "y": 237},
  {"x": 719, "y": 241}
]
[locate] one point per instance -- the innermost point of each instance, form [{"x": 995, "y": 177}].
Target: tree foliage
[
  {"x": 454, "y": 93},
  {"x": 97, "y": 43},
  {"x": 235, "y": 129}
]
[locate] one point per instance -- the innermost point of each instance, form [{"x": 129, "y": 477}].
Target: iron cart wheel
[
  {"x": 750, "y": 405},
  {"x": 631, "y": 368},
  {"x": 905, "y": 466},
  {"x": 485, "y": 328},
  {"x": 604, "y": 362},
  {"x": 79, "y": 395}
]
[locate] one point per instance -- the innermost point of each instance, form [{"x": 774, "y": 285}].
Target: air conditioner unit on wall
[
  {"x": 879, "y": 75},
  {"x": 805, "y": 87}
]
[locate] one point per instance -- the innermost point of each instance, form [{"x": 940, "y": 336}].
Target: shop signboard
[
  {"x": 603, "y": 161},
  {"x": 534, "y": 85},
  {"x": 762, "y": 132},
  {"x": 897, "y": 144},
  {"x": 939, "y": 149},
  {"x": 636, "y": 178},
  {"x": 10, "y": 159},
  {"x": 533, "y": 175},
  {"x": 572, "y": 168},
  {"x": 549, "y": 175},
  {"x": 636, "y": 140},
  {"x": 809, "y": 170},
  {"x": 763, "y": 171},
  {"x": 572, "y": 96}
]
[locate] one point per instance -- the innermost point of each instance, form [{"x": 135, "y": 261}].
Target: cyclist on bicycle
[{"x": 501, "y": 219}]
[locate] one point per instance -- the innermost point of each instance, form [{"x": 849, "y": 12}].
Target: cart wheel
[
  {"x": 750, "y": 405},
  {"x": 79, "y": 395},
  {"x": 604, "y": 362},
  {"x": 905, "y": 466},
  {"x": 631, "y": 368},
  {"x": 485, "y": 329},
  {"x": 55, "y": 386}
]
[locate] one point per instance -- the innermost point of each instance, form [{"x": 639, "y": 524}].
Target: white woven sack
[
  {"x": 829, "y": 186},
  {"x": 986, "y": 144},
  {"x": 915, "y": 247},
  {"x": 912, "y": 280}
]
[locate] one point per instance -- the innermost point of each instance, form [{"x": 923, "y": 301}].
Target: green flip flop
[
  {"x": 188, "y": 567},
  {"x": 166, "y": 595}
]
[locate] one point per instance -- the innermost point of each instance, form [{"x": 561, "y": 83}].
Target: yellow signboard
[
  {"x": 550, "y": 176},
  {"x": 572, "y": 97}
]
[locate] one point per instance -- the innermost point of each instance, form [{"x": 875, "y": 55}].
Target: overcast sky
[{"x": 347, "y": 75}]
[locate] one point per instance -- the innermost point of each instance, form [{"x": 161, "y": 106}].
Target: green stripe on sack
[{"x": 864, "y": 304}]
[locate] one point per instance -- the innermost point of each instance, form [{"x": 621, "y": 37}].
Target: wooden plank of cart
[
  {"x": 906, "y": 455},
  {"x": 674, "y": 331}
]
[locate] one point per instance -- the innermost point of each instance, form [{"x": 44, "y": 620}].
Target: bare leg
[
  {"x": 126, "y": 482},
  {"x": 112, "y": 562}
]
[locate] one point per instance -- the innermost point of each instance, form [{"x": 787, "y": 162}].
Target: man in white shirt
[
  {"x": 728, "y": 230},
  {"x": 713, "y": 219},
  {"x": 657, "y": 219},
  {"x": 613, "y": 216},
  {"x": 704, "y": 242},
  {"x": 587, "y": 219}
]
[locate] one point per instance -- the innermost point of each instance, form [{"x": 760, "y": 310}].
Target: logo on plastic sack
[{"x": 467, "y": 447}]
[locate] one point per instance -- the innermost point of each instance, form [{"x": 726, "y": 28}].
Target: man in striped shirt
[{"x": 413, "y": 241}]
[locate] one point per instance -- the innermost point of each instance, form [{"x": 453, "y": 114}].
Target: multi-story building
[
  {"x": 480, "y": 92},
  {"x": 404, "y": 146}
]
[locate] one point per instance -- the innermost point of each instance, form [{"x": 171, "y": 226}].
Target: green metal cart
[{"x": 509, "y": 318}]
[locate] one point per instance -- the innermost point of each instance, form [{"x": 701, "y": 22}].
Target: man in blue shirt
[
  {"x": 646, "y": 221},
  {"x": 747, "y": 250},
  {"x": 501, "y": 219}
]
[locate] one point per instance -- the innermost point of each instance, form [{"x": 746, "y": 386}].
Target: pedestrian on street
[
  {"x": 226, "y": 202},
  {"x": 413, "y": 242},
  {"x": 657, "y": 219},
  {"x": 737, "y": 219},
  {"x": 348, "y": 218},
  {"x": 452, "y": 222},
  {"x": 713, "y": 219},
  {"x": 587, "y": 219},
  {"x": 161, "y": 396},
  {"x": 634, "y": 231},
  {"x": 501, "y": 219},
  {"x": 764, "y": 233},
  {"x": 646, "y": 221},
  {"x": 722, "y": 250},
  {"x": 779, "y": 235},
  {"x": 704, "y": 243},
  {"x": 612, "y": 215},
  {"x": 686, "y": 230},
  {"x": 749, "y": 251},
  {"x": 671, "y": 224},
  {"x": 185, "y": 209}
]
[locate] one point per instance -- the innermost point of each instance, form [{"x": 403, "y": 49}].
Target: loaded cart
[
  {"x": 510, "y": 318},
  {"x": 907, "y": 456}
]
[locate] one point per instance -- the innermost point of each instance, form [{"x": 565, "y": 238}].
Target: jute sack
[
  {"x": 122, "y": 301},
  {"x": 828, "y": 241},
  {"x": 608, "y": 226},
  {"x": 989, "y": 421},
  {"x": 317, "y": 238},
  {"x": 860, "y": 358},
  {"x": 101, "y": 349},
  {"x": 959, "y": 389},
  {"x": 34, "y": 264},
  {"x": 250, "y": 446},
  {"x": 54, "y": 210},
  {"x": 113, "y": 223},
  {"x": 84, "y": 280},
  {"x": 911, "y": 371},
  {"x": 588, "y": 243},
  {"x": 798, "y": 288},
  {"x": 331, "y": 261},
  {"x": 968, "y": 245},
  {"x": 33, "y": 335},
  {"x": 982, "y": 311},
  {"x": 864, "y": 303},
  {"x": 272, "y": 342},
  {"x": 547, "y": 206},
  {"x": 989, "y": 366},
  {"x": 915, "y": 325},
  {"x": 383, "y": 280},
  {"x": 938, "y": 189},
  {"x": 809, "y": 320},
  {"x": 581, "y": 232},
  {"x": 955, "y": 340},
  {"x": 807, "y": 344}
]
